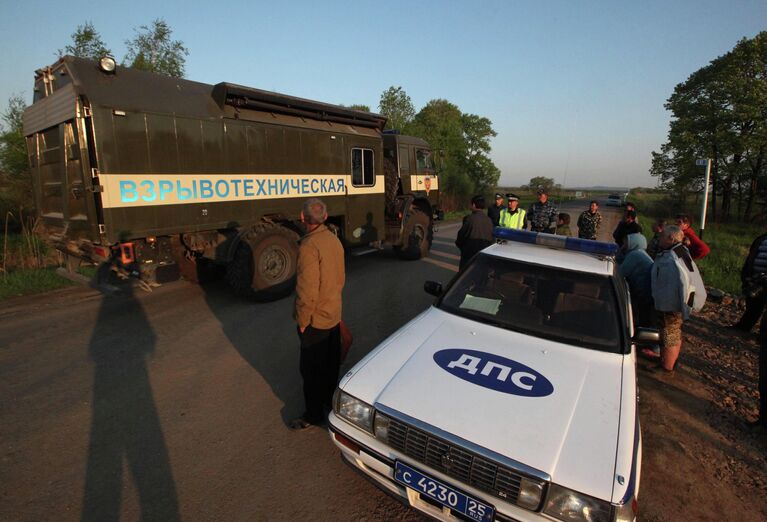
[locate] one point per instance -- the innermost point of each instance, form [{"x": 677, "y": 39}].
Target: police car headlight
[
  {"x": 568, "y": 505},
  {"x": 529, "y": 494},
  {"x": 381, "y": 427},
  {"x": 355, "y": 411}
]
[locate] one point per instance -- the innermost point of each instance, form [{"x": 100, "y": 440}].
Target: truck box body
[{"x": 129, "y": 155}]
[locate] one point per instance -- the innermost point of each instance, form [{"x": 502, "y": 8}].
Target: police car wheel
[
  {"x": 264, "y": 264},
  {"x": 416, "y": 237}
]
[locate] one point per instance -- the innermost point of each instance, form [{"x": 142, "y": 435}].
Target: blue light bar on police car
[{"x": 550, "y": 240}]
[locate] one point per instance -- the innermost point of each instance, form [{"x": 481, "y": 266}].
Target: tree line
[{"x": 720, "y": 112}]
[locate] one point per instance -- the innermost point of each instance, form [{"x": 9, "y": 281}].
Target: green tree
[
  {"x": 153, "y": 49},
  {"x": 15, "y": 184},
  {"x": 86, "y": 43},
  {"x": 477, "y": 132},
  {"x": 358, "y": 107},
  {"x": 439, "y": 122},
  {"x": 541, "y": 182},
  {"x": 720, "y": 112},
  {"x": 395, "y": 104},
  {"x": 462, "y": 142}
]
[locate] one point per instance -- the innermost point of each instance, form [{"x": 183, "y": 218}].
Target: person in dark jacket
[
  {"x": 628, "y": 226},
  {"x": 754, "y": 268},
  {"x": 654, "y": 246},
  {"x": 494, "y": 212},
  {"x": 542, "y": 215},
  {"x": 761, "y": 422},
  {"x": 476, "y": 232},
  {"x": 753, "y": 277}
]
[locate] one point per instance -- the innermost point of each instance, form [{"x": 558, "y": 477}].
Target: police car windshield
[{"x": 567, "y": 306}]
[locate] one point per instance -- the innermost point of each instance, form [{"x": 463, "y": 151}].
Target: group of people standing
[
  {"x": 665, "y": 283},
  {"x": 663, "y": 279},
  {"x": 476, "y": 232}
]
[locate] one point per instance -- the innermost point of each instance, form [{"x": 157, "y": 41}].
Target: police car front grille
[{"x": 454, "y": 461}]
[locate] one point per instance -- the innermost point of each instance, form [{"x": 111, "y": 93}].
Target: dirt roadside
[{"x": 701, "y": 461}]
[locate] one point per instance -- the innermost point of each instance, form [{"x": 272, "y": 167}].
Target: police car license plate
[{"x": 442, "y": 493}]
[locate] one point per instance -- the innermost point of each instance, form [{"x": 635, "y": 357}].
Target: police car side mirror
[
  {"x": 433, "y": 287},
  {"x": 646, "y": 335}
]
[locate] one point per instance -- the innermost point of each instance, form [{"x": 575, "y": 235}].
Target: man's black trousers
[
  {"x": 763, "y": 369},
  {"x": 320, "y": 360}
]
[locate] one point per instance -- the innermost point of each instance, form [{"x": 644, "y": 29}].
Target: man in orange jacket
[{"x": 320, "y": 277}]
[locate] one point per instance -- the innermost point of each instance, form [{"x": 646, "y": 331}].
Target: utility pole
[{"x": 707, "y": 164}]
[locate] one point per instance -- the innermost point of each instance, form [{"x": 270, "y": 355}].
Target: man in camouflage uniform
[
  {"x": 589, "y": 221},
  {"x": 542, "y": 215}
]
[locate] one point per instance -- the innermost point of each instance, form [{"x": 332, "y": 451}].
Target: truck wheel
[
  {"x": 264, "y": 264},
  {"x": 416, "y": 237}
]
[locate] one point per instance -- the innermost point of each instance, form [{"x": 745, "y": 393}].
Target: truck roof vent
[{"x": 256, "y": 99}]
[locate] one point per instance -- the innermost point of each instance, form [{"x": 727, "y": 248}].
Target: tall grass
[
  {"x": 31, "y": 281},
  {"x": 23, "y": 250}
]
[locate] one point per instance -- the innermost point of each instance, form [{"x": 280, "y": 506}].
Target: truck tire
[
  {"x": 264, "y": 265},
  {"x": 416, "y": 237}
]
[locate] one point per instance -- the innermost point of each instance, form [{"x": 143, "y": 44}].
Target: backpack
[{"x": 694, "y": 289}]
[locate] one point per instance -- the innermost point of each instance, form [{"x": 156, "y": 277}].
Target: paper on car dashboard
[{"x": 481, "y": 304}]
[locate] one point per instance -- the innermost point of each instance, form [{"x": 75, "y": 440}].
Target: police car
[{"x": 513, "y": 397}]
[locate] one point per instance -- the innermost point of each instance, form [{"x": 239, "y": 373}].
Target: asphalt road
[{"x": 173, "y": 404}]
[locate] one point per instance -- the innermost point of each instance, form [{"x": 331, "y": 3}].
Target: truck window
[
  {"x": 362, "y": 167},
  {"x": 423, "y": 158},
  {"x": 404, "y": 159}
]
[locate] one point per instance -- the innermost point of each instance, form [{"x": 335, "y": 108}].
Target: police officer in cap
[
  {"x": 494, "y": 212},
  {"x": 542, "y": 215},
  {"x": 513, "y": 216}
]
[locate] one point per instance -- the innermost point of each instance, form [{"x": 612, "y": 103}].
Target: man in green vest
[{"x": 513, "y": 216}]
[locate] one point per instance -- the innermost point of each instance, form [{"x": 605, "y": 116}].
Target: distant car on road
[
  {"x": 513, "y": 397},
  {"x": 614, "y": 200}
]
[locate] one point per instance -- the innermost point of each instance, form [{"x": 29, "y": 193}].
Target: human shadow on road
[
  {"x": 125, "y": 427},
  {"x": 374, "y": 306},
  {"x": 264, "y": 335}
]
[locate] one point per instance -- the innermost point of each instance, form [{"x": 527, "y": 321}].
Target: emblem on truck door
[{"x": 493, "y": 371}]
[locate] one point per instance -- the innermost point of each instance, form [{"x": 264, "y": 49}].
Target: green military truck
[{"x": 169, "y": 174}]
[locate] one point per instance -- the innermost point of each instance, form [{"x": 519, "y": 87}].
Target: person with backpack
[{"x": 677, "y": 289}]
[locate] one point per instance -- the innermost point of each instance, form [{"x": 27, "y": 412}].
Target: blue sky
[{"x": 574, "y": 89}]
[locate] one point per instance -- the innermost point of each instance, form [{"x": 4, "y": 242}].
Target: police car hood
[{"x": 544, "y": 404}]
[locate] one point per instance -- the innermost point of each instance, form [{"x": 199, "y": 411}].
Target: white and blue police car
[{"x": 513, "y": 397}]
